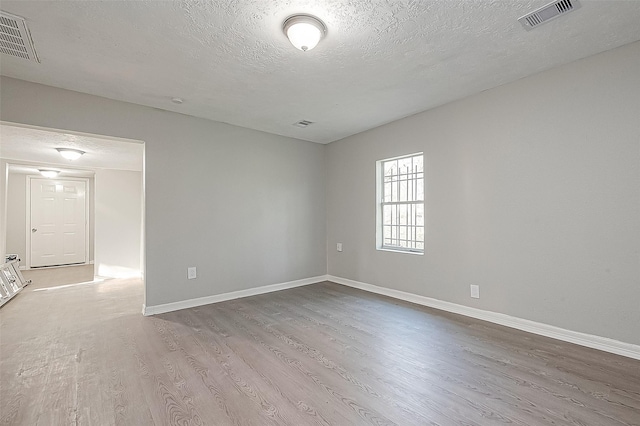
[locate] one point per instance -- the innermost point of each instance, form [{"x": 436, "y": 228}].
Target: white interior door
[{"x": 58, "y": 222}]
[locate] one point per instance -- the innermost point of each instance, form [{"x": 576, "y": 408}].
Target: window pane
[
  {"x": 387, "y": 192},
  {"x": 417, "y": 162},
  {"x": 394, "y": 189},
  {"x": 420, "y": 214},
  {"x": 390, "y": 168},
  {"x": 386, "y": 215},
  {"x": 402, "y": 196},
  {"x": 404, "y": 164},
  {"x": 402, "y": 212}
]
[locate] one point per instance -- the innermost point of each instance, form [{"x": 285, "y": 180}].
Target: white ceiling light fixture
[
  {"x": 49, "y": 173},
  {"x": 304, "y": 31},
  {"x": 69, "y": 153}
]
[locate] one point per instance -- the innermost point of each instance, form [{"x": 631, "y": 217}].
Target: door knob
[{"x": 34, "y": 229}]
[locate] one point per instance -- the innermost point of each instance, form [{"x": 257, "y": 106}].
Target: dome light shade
[
  {"x": 304, "y": 31},
  {"x": 48, "y": 173},
  {"x": 69, "y": 153}
]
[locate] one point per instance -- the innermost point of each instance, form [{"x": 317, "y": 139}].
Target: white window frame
[{"x": 380, "y": 203}]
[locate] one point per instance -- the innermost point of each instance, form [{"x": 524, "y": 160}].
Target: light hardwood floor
[
  {"x": 322, "y": 354},
  {"x": 57, "y": 276}
]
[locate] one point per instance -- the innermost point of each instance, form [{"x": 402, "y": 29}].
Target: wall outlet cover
[
  {"x": 475, "y": 291},
  {"x": 191, "y": 273}
]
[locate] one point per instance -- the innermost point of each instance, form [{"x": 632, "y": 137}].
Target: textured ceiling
[
  {"x": 230, "y": 62},
  {"x": 29, "y": 145}
]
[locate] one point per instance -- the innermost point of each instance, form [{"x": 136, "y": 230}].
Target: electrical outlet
[
  {"x": 339, "y": 246},
  {"x": 191, "y": 273},
  {"x": 475, "y": 291}
]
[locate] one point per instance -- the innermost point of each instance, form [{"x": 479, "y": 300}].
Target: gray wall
[
  {"x": 245, "y": 207},
  {"x": 4, "y": 177},
  {"x": 532, "y": 192},
  {"x": 16, "y": 240},
  {"x": 16, "y": 215},
  {"x": 118, "y": 200}
]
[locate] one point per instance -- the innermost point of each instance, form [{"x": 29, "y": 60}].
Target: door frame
[{"x": 87, "y": 215}]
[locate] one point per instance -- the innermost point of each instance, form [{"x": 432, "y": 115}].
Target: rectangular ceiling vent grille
[
  {"x": 303, "y": 123},
  {"x": 15, "y": 39},
  {"x": 547, "y": 13}
]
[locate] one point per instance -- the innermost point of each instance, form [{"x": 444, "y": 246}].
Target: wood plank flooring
[
  {"x": 59, "y": 275},
  {"x": 322, "y": 354}
]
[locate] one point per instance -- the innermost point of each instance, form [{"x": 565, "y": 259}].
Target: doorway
[{"x": 114, "y": 169}]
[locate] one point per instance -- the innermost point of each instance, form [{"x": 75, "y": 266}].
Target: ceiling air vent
[
  {"x": 15, "y": 39},
  {"x": 303, "y": 123},
  {"x": 547, "y": 13}
]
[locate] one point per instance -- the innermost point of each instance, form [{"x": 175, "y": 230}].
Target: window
[{"x": 400, "y": 212}]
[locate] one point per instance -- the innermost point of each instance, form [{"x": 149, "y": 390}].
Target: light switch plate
[{"x": 339, "y": 246}]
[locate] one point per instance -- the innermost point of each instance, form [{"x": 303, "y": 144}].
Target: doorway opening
[{"x": 87, "y": 220}]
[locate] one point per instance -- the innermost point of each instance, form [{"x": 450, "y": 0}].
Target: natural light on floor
[{"x": 96, "y": 281}]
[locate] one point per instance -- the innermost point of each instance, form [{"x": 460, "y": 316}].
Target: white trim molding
[
  {"x": 192, "y": 303},
  {"x": 591, "y": 341}
]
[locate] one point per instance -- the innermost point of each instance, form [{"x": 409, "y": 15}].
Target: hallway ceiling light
[
  {"x": 69, "y": 153},
  {"x": 304, "y": 31},
  {"x": 49, "y": 173}
]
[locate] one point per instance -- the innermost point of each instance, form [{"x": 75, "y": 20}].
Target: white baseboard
[
  {"x": 192, "y": 303},
  {"x": 591, "y": 341}
]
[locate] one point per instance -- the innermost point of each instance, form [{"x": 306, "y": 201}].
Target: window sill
[{"x": 419, "y": 253}]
